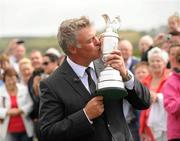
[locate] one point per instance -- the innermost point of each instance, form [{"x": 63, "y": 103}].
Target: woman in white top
[{"x": 15, "y": 105}]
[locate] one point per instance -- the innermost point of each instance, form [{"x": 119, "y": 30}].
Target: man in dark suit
[{"x": 69, "y": 110}]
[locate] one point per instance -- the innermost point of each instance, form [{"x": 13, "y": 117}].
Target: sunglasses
[{"x": 45, "y": 63}]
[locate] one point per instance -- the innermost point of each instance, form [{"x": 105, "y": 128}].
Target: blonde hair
[{"x": 24, "y": 61}]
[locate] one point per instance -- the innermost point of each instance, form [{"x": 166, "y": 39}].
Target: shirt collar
[
  {"x": 78, "y": 69},
  {"x": 128, "y": 63}
]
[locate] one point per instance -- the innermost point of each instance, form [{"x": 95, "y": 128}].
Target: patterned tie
[{"x": 92, "y": 85}]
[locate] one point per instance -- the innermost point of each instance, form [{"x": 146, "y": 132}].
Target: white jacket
[{"x": 24, "y": 102}]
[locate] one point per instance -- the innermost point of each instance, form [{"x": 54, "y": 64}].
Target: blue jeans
[{"x": 20, "y": 137}]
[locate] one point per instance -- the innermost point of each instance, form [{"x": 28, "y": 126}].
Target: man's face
[
  {"x": 36, "y": 59},
  {"x": 173, "y": 25},
  {"x": 48, "y": 66},
  {"x": 144, "y": 46},
  {"x": 89, "y": 49},
  {"x": 19, "y": 51},
  {"x": 126, "y": 49}
]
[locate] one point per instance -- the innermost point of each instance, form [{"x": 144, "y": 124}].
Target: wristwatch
[{"x": 127, "y": 77}]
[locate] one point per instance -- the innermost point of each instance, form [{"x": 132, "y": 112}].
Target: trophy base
[{"x": 112, "y": 93}]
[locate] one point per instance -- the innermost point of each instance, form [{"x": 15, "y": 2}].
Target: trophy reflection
[{"x": 110, "y": 84}]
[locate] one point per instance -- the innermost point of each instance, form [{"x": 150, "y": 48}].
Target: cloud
[{"x": 42, "y": 17}]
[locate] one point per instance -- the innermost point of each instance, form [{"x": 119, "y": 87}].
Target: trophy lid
[{"x": 112, "y": 26}]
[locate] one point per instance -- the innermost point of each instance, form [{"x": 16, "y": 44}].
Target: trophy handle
[{"x": 106, "y": 18}]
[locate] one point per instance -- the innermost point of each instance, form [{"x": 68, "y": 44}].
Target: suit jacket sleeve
[
  {"x": 55, "y": 123},
  {"x": 139, "y": 96}
]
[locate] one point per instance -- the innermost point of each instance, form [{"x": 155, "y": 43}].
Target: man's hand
[
  {"x": 36, "y": 82},
  {"x": 94, "y": 107},
  {"x": 116, "y": 61}
]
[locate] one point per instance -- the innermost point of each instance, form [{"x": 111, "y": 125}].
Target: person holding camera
[{"x": 33, "y": 87}]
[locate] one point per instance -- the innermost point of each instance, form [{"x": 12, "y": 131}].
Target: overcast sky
[{"x": 42, "y": 17}]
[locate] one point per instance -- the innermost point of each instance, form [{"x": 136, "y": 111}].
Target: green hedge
[{"x": 43, "y": 43}]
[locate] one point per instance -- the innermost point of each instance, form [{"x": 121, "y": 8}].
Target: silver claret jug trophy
[{"x": 110, "y": 84}]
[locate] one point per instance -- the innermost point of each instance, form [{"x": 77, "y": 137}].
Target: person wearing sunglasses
[{"x": 50, "y": 63}]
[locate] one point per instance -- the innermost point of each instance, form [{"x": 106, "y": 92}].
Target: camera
[
  {"x": 167, "y": 37},
  {"x": 38, "y": 72}
]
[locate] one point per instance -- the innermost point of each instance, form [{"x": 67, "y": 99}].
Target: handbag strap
[{"x": 3, "y": 102}]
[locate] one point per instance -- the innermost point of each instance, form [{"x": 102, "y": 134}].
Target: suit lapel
[{"x": 71, "y": 77}]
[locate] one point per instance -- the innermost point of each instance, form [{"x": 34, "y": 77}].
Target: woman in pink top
[{"x": 171, "y": 92}]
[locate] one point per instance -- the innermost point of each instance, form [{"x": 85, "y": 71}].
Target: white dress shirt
[{"x": 81, "y": 73}]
